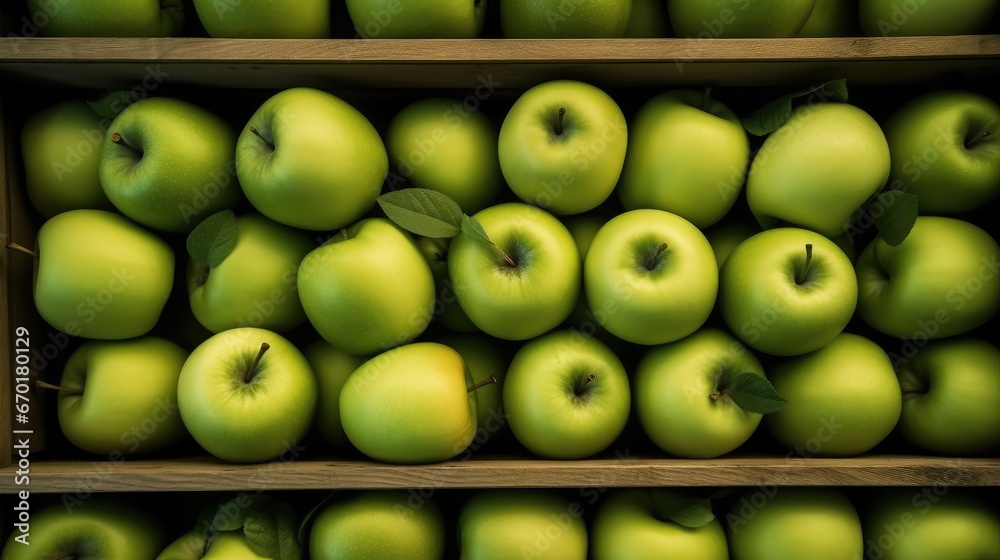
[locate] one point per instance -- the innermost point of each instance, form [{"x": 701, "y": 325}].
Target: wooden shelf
[
  {"x": 203, "y": 474},
  {"x": 513, "y": 63}
]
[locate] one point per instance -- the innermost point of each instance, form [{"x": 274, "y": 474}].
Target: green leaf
[
  {"x": 213, "y": 239},
  {"x": 472, "y": 227},
  {"x": 423, "y": 212},
  {"x": 897, "y": 217},
  {"x": 270, "y": 532},
  {"x": 770, "y": 117},
  {"x": 108, "y": 106},
  {"x": 229, "y": 516},
  {"x": 304, "y": 525},
  {"x": 754, "y": 393},
  {"x": 687, "y": 511}
]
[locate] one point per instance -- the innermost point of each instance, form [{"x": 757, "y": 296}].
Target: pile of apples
[
  {"x": 618, "y": 259},
  {"x": 466, "y": 19},
  {"x": 765, "y": 523}
]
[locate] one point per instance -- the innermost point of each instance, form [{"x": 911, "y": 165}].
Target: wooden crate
[{"x": 373, "y": 71}]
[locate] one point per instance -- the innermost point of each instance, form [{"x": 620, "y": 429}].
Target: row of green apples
[
  {"x": 650, "y": 276},
  {"x": 766, "y": 523},
  {"x": 456, "y": 19}
]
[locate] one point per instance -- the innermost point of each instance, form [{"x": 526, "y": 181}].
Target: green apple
[
  {"x": 566, "y": 395},
  {"x": 942, "y": 280},
  {"x": 451, "y": 151},
  {"x": 99, "y": 275},
  {"x": 119, "y": 397},
  {"x": 562, "y": 146},
  {"x": 931, "y": 523},
  {"x": 843, "y": 399},
  {"x": 831, "y": 18},
  {"x": 885, "y": 18},
  {"x": 332, "y": 367},
  {"x": 378, "y": 524},
  {"x": 679, "y": 393},
  {"x": 255, "y": 285},
  {"x": 411, "y": 404},
  {"x": 787, "y": 291},
  {"x": 61, "y": 148},
  {"x": 688, "y": 154},
  {"x": 950, "y": 390},
  {"x": 219, "y": 545},
  {"x": 351, "y": 291},
  {"x": 945, "y": 149},
  {"x": 485, "y": 360},
  {"x": 633, "y": 524},
  {"x": 405, "y": 19},
  {"x": 447, "y": 311},
  {"x": 650, "y": 277},
  {"x": 108, "y": 18},
  {"x": 309, "y": 159},
  {"x": 265, "y": 18},
  {"x": 794, "y": 523},
  {"x": 99, "y": 528},
  {"x": 648, "y": 18},
  {"x": 519, "y": 523},
  {"x": 168, "y": 164},
  {"x": 557, "y": 19},
  {"x": 799, "y": 174},
  {"x": 247, "y": 395},
  {"x": 738, "y": 18},
  {"x": 531, "y": 293}
]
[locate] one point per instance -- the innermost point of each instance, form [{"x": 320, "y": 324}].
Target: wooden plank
[{"x": 206, "y": 474}]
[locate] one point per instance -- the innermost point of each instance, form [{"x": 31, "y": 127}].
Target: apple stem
[
  {"x": 979, "y": 137},
  {"x": 716, "y": 395},
  {"x": 586, "y": 381},
  {"x": 651, "y": 262},
  {"x": 252, "y": 370},
  {"x": 45, "y": 385},
  {"x": 116, "y": 138},
  {"x": 488, "y": 381},
  {"x": 22, "y": 249},
  {"x": 343, "y": 231},
  {"x": 559, "y": 120},
  {"x": 261, "y": 136},
  {"x": 805, "y": 271}
]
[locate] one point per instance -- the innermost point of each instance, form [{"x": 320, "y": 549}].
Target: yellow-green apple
[
  {"x": 562, "y": 146},
  {"x": 681, "y": 393},
  {"x": 787, "y": 524},
  {"x": 379, "y": 524},
  {"x": 332, "y": 367},
  {"x": 945, "y": 148},
  {"x": 566, "y": 395},
  {"x": 687, "y": 154},
  {"x": 942, "y": 280},
  {"x": 119, "y": 397},
  {"x": 648, "y": 18},
  {"x": 104, "y": 18},
  {"x": 886, "y": 18},
  {"x": 452, "y": 151},
  {"x": 738, "y": 18},
  {"x": 411, "y": 404},
  {"x": 521, "y": 523},
  {"x": 931, "y": 523},
  {"x": 100, "y": 275},
  {"x": 799, "y": 177},
  {"x": 650, "y": 277},
  {"x": 61, "y": 149},
  {"x": 168, "y": 163},
  {"x": 447, "y": 311},
  {"x": 219, "y": 545},
  {"x": 637, "y": 524},
  {"x": 787, "y": 291},
  {"x": 98, "y": 528},
  {"x": 527, "y": 295},
  {"x": 247, "y": 395},
  {"x": 403, "y": 19},
  {"x": 351, "y": 293},
  {"x": 950, "y": 390},
  {"x": 255, "y": 285},
  {"x": 265, "y": 18},
  {"x": 485, "y": 360},
  {"x": 555, "y": 19},
  {"x": 831, "y": 18},
  {"x": 308, "y": 159},
  {"x": 843, "y": 399}
]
